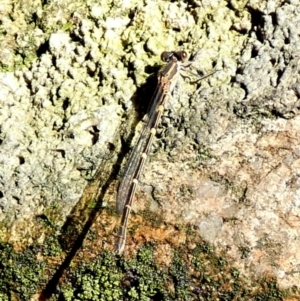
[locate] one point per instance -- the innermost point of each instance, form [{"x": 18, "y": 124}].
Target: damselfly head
[
  {"x": 181, "y": 56},
  {"x": 166, "y": 56}
]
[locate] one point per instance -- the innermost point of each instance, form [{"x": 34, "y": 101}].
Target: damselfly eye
[
  {"x": 166, "y": 55},
  {"x": 184, "y": 56}
]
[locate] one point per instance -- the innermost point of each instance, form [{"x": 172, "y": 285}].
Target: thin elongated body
[{"x": 167, "y": 79}]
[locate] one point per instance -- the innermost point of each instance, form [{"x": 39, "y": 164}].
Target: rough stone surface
[{"x": 227, "y": 157}]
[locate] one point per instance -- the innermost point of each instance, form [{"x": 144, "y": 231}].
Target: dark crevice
[
  {"x": 244, "y": 87},
  {"x": 279, "y": 75},
  {"x": 53, "y": 60},
  {"x": 21, "y": 160},
  {"x": 75, "y": 38},
  {"x": 254, "y": 52},
  {"x": 66, "y": 104},
  {"x": 44, "y": 47},
  {"x": 274, "y": 18},
  {"x": 95, "y": 134},
  {"x": 61, "y": 151},
  {"x": 258, "y": 23}
]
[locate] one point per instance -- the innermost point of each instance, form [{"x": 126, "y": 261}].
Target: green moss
[
  {"x": 156, "y": 220},
  {"x": 205, "y": 277},
  {"x": 181, "y": 279},
  {"x": 21, "y": 273},
  {"x": 51, "y": 246},
  {"x": 4, "y": 297},
  {"x": 270, "y": 291},
  {"x": 143, "y": 278},
  {"x": 197, "y": 274},
  {"x": 98, "y": 280},
  {"x": 67, "y": 27},
  {"x": 244, "y": 251},
  {"x": 203, "y": 155}
]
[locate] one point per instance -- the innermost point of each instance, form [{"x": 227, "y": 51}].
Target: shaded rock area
[{"x": 73, "y": 91}]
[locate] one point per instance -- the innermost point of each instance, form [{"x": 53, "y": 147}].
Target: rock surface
[{"x": 227, "y": 157}]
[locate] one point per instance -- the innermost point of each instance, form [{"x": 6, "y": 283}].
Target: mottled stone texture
[{"x": 227, "y": 158}]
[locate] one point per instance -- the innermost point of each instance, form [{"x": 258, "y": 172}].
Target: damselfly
[{"x": 167, "y": 79}]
